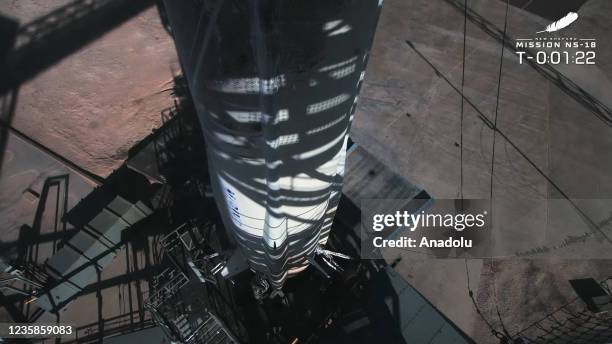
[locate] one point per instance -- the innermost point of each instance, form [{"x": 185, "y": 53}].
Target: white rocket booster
[{"x": 275, "y": 85}]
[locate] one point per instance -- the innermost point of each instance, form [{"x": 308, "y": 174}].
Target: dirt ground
[{"x": 95, "y": 104}]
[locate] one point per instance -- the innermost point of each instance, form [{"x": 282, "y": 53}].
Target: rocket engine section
[{"x": 275, "y": 85}]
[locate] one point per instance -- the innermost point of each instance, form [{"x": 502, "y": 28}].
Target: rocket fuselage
[{"x": 275, "y": 85}]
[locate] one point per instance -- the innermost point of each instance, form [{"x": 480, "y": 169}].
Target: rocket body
[{"x": 275, "y": 85}]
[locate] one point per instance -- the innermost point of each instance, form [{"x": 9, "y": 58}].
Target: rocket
[{"x": 275, "y": 86}]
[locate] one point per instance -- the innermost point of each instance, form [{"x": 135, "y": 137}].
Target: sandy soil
[{"x": 95, "y": 104}]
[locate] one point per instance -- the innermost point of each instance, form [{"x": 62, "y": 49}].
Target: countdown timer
[
  {"x": 557, "y": 50},
  {"x": 556, "y": 57}
]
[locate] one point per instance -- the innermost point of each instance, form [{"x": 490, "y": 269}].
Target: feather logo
[{"x": 561, "y": 23}]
